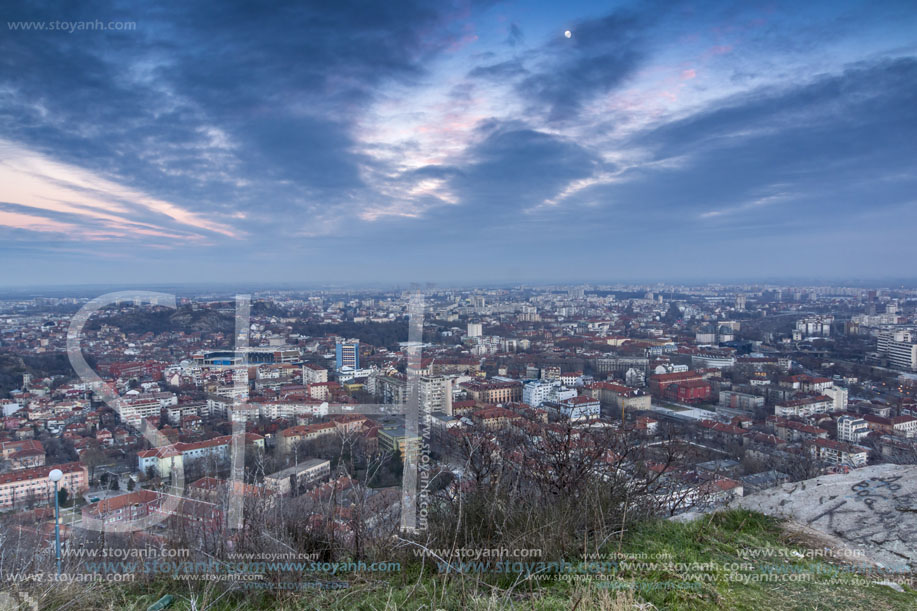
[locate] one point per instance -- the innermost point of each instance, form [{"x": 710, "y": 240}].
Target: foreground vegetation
[{"x": 713, "y": 546}]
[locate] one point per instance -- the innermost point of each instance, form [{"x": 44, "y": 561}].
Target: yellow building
[{"x": 397, "y": 439}]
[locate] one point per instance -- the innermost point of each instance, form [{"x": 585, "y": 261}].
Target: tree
[
  {"x": 569, "y": 492},
  {"x": 385, "y": 470},
  {"x": 62, "y": 497},
  {"x": 673, "y": 315},
  {"x": 130, "y": 484},
  {"x": 92, "y": 458}
]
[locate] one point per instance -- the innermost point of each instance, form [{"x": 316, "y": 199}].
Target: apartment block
[{"x": 32, "y": 486}]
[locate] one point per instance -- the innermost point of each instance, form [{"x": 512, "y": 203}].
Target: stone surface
[{"x": 873, "y": 509}]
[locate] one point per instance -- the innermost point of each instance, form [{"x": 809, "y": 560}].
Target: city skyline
[
  {"x": 458, "y": 143},
  {"x": 458, "y": 304}
]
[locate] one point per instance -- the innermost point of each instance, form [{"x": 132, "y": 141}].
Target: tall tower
[{"x": 347, "y": 354}]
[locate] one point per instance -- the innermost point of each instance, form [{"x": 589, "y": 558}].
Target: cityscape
[
  {"x": 696, "y": 396},
  {"x": 459, "y": 305}
]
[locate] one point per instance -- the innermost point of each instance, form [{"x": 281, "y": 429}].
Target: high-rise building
[
  {"x": 314, "y": 374},
  {"x": 536, "y": 392},
  {"x": 435, "y": 394},
  {"x": 347, "y": 354},
  {"x": 475, "y": 329},
  {"x": 814, "y": 326},
  {"x": 900, "y": 348},
  {"x": 851, "y": 429}
]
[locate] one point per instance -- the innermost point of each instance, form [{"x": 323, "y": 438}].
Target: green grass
[
  {"x": 715, "y": 541},
  {"x": 721, "y": 539}
]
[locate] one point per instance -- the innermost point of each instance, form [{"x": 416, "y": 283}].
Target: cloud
[
  {"x": 821, "y": 150},
  {"x": 767, "y": 200},
  {"x": 515, "y": 35},
  {"x": 570, "y": 72},
  {"x": 410, "y": 125},
  {"x": 46, "y": 187},
  {"x": 508, "y": 69},
  {"x": 218, "y": 108},
  {"x": 512, "y": 169}
]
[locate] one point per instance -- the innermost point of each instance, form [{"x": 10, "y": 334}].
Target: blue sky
[{"x": 458, "y": 142}]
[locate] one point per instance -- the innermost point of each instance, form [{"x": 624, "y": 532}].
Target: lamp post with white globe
[{"x": 55, "y": 476}]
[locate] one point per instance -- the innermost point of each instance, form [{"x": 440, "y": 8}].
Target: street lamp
[{"x": 55, "y": 476}]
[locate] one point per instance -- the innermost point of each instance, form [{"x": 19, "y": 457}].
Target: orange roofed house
[
  {"x": 165, "y": 458},
  {"x": 492, "y": 393},
  {"x": 173, "y": 510},
  {"x": 32, "y": 485}
]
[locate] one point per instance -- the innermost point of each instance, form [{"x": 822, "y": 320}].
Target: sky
[{"x": 456, "y": 141}]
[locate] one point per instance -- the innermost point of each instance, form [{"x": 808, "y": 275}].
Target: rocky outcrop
[{"x": 873, "y": 509}]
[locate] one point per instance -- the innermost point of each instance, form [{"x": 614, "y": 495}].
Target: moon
[{"x": 568, "y": 33}]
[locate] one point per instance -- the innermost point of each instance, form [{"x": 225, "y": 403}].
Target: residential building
[
  {"x": 314, "y": 374},
  {"x": 494, "y": 392},
  {"x": 166, "y": 458},
  {"x": 397, "y": 440},
  {"x": 793, "y": 430},
  {"x": 32, "y": 486},
  {"x": 741, "y": 401},
  {"x": 177, "y": 511},
  {"x": 576, "y": 408},
  {"x": 300, "y": 477},
  {"x": 391, "y": 388},
  {"x": 23, "y": 454},
  {"x": 537, "y": 392},
  {"x": 287, "y": 439},
  {"x": 493, "y": 418},
  {"x": 813, "y": 326},
  {"x": 851, "y": 429},
  {"x": 806, "y": 406},
  {"x": 838, "y": 395},
  {"x": 839, "y": 453},
  {"x": 622, "y": 397},
  {"x": 175, "y": 413},
  {"x": 899, "y": 347},
  {"x": 135, "y": 410},
  {"x": 435, "y": 394}
]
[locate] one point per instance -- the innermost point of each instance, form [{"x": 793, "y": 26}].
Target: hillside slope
[{"x": 732, "y": 560}]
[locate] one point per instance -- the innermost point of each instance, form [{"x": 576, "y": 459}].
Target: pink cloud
[{"x": 37, "y": 182}]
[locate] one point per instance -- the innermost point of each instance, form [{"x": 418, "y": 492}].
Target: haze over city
[{"x": 457, "y": 142}]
